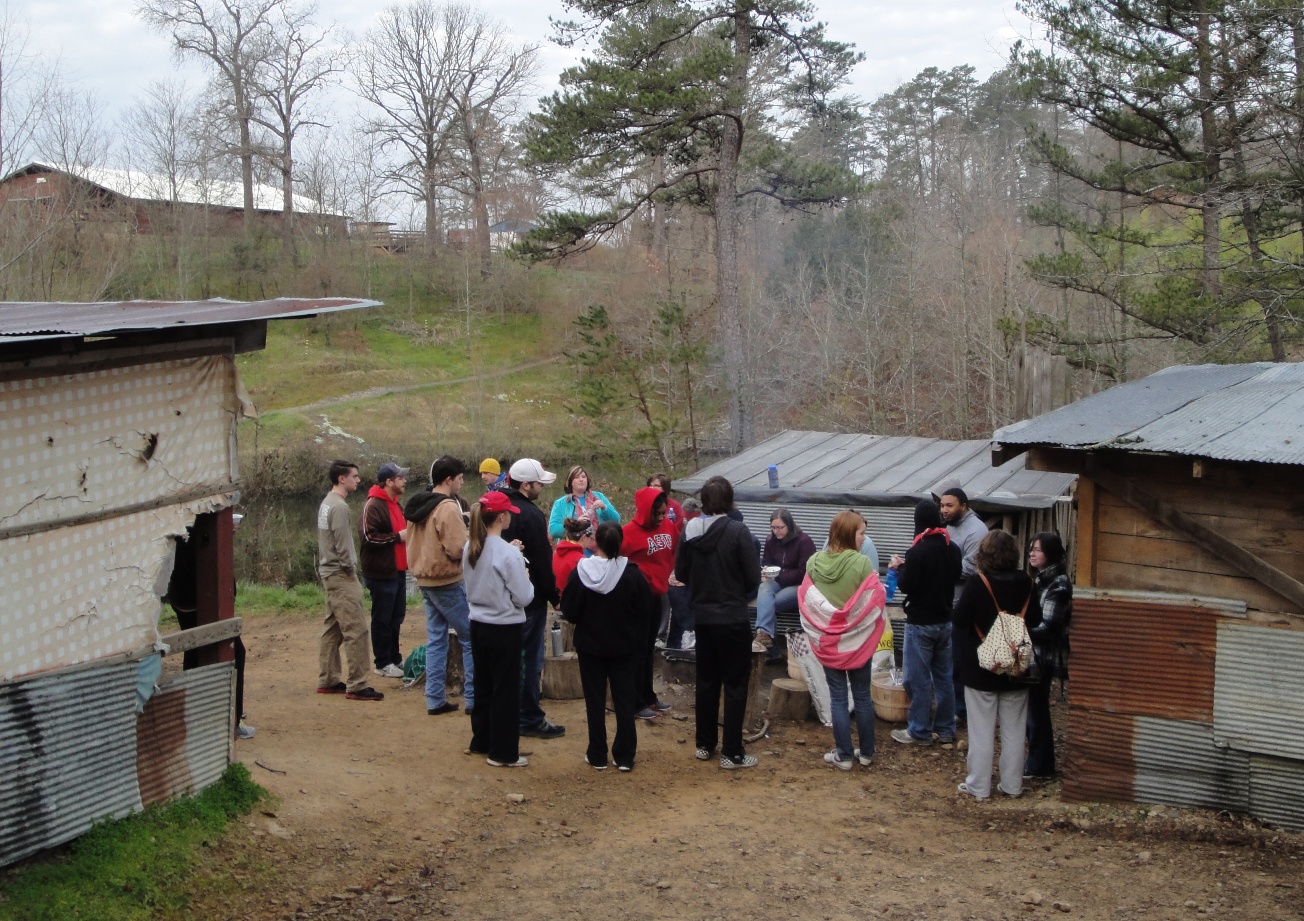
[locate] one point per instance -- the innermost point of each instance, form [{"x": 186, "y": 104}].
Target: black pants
[
  {"x": 1041, "y": 734},
  {"x": 388, "y": 611},
  {"x": 595, "y": 674},
  {"x": 724, "y": 661},
  {"x": 495, "y": 721},
  {"x": 644, "y": 695}
]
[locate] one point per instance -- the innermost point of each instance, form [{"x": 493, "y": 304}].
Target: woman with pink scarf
[{"x": 842, "y": 612}]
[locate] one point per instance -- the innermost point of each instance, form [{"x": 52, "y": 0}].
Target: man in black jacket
[
  {"x": 927, "y": 575},
  {"x": 719, "y": 562},
  {"x": 525, "y": 481}
]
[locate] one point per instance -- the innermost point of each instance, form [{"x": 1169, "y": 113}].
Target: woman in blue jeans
[
  {"x": 842, "y": 612},
  {"x": 787, "y": 551}
]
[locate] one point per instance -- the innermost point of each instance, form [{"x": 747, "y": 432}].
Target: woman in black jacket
[
  {"x": 609, "y": 602},
  {"x": 1051, "y": 636},
  {"x": 992, "y": 698}
]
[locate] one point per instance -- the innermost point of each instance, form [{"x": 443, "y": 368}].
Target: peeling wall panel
[
  {"x": 1259, "y": 690},
  {"x": 67, "y": 756}
]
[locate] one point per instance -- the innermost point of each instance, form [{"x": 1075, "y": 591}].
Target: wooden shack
[{"x": 1187, "y": 670}]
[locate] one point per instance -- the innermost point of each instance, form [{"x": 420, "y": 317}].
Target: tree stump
[
  {"x": 789, "y": 700},
  {"x": 455, "y": 672},
  {"x": 561, "y": 677},
  {"x": 567, "y": 635}
]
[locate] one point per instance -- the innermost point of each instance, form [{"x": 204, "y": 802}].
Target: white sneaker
[
  {"x": 389, "y": 671},
  {"x": 832, "y": 758},
  {"x": 243, "y": 732}
]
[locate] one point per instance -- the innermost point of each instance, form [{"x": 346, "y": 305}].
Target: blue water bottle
[{"x": 773, "y": 471}]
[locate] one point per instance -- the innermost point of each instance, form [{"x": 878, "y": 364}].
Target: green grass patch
[
  {"x": 133, "y": 869},
  {"x": 253, "y": 598}
]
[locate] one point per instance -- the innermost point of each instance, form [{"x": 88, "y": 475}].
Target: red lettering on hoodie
[{"x": 651, "y": 545}]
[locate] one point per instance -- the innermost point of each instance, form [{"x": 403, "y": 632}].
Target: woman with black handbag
[
  {"x": 993, "y": 698},
  {"x": 1050, "y": 637}
]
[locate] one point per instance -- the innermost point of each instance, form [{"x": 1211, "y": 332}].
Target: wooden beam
[
  {"x": 1167, "y": 514},
  {"x": 1088, "y": 500},
  {"x": 195, "y": 637}
]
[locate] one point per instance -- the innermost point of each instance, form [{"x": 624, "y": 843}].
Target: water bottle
[
  {"x": 557, "y": 645},
  {"x": 773, "y": 471}
]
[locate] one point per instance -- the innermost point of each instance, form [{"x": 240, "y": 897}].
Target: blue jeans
[
  {"x": 532, "y": 637},
  {"x": 769, "y": 599},
  {"x": 681, "y": 616},
  {"x": 388, "y": 610},
  {"x": 927, "y": 656},
  {"x": 859, "y": 679},
  {"x": 446, "y": 607}
]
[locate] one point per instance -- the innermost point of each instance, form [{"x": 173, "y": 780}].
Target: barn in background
[
  {"x": 1187, "y": 669},
  {"x": 118, "y": 435}
]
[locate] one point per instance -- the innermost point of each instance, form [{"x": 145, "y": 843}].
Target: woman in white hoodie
[
  {"x": 498, "y": 588},
  {"x": 609, "y": 603}
]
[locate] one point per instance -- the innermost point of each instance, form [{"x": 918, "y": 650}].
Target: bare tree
[
  {"x": 24, "y": 84},
  {"x": 233, "y": 37},
  {"x": 157, "y": 133},
  {"x": 299, "y": 62}
]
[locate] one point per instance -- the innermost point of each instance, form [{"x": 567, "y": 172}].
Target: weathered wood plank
[
  {"x": 1088, "y": 520},
  {"x": 207, "y": 634},
  {"x": 1184, "y": 582},
  {"x": 1284, "y": 548}
]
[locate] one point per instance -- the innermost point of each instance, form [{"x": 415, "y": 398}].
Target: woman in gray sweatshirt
[{"x": 498, "y": 588}]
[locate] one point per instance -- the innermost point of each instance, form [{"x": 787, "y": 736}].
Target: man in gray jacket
[{"x": 967, "y": 532}]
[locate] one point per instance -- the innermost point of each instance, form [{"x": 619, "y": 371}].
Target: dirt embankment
[{"x": 380, "y": 815}]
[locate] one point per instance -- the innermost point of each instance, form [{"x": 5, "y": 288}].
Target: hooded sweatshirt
[
  {"x": 651, "y": 547},
  {"x": 435, "y": 535},
  {"x": 565, "y": 557},
  {"x": 383, "y": 554},
  {"x": 930, "y": 571},
  {"x": 609, "y": 603},
  {"x": 838, "y": 575},
  {"x": 721, "y": 565},
  {"x": 791, "y": 554}
]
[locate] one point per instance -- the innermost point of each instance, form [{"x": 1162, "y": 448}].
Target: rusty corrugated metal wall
[
  {"x": 183, "y": 739},
  {"x": 1178, "y": 700}
]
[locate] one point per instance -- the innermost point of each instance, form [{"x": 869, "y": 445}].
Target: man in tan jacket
[{"x": 435, "y": 535}]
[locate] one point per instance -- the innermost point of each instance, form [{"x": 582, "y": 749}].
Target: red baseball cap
[{"x": 498, "y": 502}]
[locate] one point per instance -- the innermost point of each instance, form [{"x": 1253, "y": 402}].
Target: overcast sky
[{"x": 103, "y": 46}]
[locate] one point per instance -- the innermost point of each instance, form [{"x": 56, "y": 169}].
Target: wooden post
[
  {"x": 1088, "y": 499},
  {"x": 213, "y": 536}
]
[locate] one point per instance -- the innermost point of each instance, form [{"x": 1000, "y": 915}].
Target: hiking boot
[
  {"x": 338, "y": 687},
  {"x": 364, "y": 694},
  {"x": 832, "y": 758},
  {"x": 545, "y": 730},
  {"x": 905, "y": 738},
  {"x": 445, "y": 707},
  {"x": 738, "y": 761}
]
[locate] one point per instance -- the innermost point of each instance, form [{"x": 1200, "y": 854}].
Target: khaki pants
[{"x": 346, "y": 626}]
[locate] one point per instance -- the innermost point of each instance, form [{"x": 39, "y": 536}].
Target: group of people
[{"x": 489, "y": 570}]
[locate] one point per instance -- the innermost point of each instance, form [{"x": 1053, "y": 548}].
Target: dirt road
[{"x": 380, "y": 815}]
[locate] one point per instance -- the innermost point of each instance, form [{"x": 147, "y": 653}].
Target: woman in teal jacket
[{"x": 579, "y": 502}]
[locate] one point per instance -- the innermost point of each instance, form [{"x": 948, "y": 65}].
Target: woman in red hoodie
[
  {"x": 577, "y": 544},
  {"x": 650, "y": 541}
]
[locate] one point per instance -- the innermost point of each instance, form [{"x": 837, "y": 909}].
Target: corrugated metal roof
[
  {"x": 1142, "y": 658},
  {"x": 220, "y": 193},
  {"x": 24, "y": 320},
  {"x": 857, "y": 470},
  {"x": 1179, "y": 764},
  {"x": 1249, "y": 412},
  {"x": 67, "y": 756},
  {"x": 1259, "y": 690},
  {"x": 1275, "y": 786}
]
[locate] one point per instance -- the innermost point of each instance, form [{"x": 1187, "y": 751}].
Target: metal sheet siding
[
  {"x": 1143, "y": 659},
  {"x": 1259, "y": 690},
  {"x": 1275, "y": 785},
  {"x": 184, "y": 735},
  {"x": 1178, "y": 763},
  {"x": 879, "y": 470},
  {"x": 1099, "y": 763},
  {"x": 67, "y": 756}
]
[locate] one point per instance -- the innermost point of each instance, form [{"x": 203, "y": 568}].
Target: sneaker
[
  {"x": 704, "y": 754},
  {"x": 364, "y": 694},
  {"x": 762, "y": 642},
  {"x": 689, "y": 641},
  {"x": 944, "y": 740},
  {"x": 389, "y": 671},
  {"x": 905, "y": 738},
  {"x": 624, "y": 768},
  {"x": 545, "y": 730},
  {"x": 338, "y": 687},
  {"x": 661, "y": 706},
  {"x": 596, "y": 767},
  {"x": 243, "y": 732},
  {"x": 519, "y": 762},
  {"x": 647, "y": 713},
  {"x": 865, "y": 760},
  {"x": 445, "y": 707},
  {"x": 832, "y": 758},
  {"x": 738, "y": 761},
  {"x": 660, "y": 643},
  {"x": 964, "y": 788}
]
